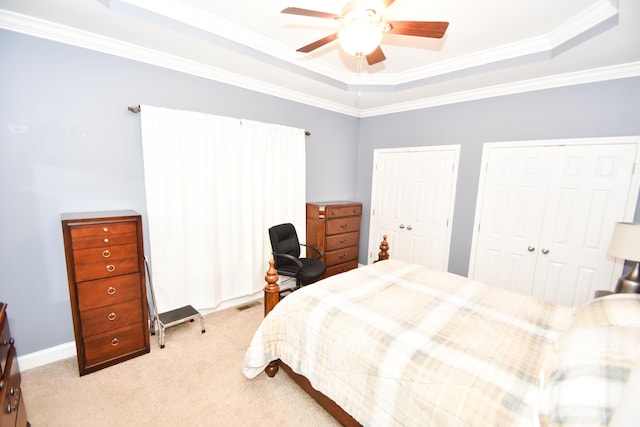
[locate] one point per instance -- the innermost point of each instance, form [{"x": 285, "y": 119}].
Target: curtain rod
[{"x": 136, "y": 109}]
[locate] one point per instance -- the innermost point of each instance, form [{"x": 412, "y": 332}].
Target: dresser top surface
[
  {"x": 336, "y": 202},
  {"x": 97, "y": 214}
]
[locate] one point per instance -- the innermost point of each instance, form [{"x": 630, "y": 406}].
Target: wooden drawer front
[
  {"x": 339, "y": 241},
  {"x": 108, "y": 345},
  {"x": 340, "y": 211},
  {"x": 340, "y": 268},
  {"x": 11, "y": 392},
  {"x": 96, "y": 263},
  {"x": 341, "y": 255},
  {"x": 346, "y": 225},
  {"x": 103, "y": 292},
  {"x": 95, "y": 235},
  {"x": 5, "y": 346},
  {"x": 105, "y": 319}
]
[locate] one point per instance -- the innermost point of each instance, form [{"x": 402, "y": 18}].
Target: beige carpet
[{"x": 196, "y": 380}]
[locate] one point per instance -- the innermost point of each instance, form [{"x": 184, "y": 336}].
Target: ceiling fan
[{"x": 362, "y": 26}]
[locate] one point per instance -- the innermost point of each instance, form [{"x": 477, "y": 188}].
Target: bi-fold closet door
[
  {"x": 412, "y": 200},
  {"x": 545, "y": 214}
]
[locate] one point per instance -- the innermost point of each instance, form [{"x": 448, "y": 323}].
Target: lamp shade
[{"x": 625, "y": 242}]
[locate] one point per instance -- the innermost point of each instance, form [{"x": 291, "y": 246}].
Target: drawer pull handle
[
  {"x": 343, "y": 226},
  {"x": 115, "y": 342},
  {"x": 106, "y": 240},
  {"x": 111, "y": 268},
  {"x": 343, "y": 255},
  {"x": 106, "y": 253},
  {"x": 343, "y": 241},
  {"x": 111, "y": 316},
  {"x": 111, "y": 290},
  {"x": 105, "y": 229}
]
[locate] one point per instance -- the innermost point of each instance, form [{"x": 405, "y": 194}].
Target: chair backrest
[{"x": 284, "y": 240}]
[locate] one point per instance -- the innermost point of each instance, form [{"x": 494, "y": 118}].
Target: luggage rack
[{"x": 161, "y": 321}]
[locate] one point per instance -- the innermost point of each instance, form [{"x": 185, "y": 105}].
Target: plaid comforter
[{"x": 399, "y": 344}]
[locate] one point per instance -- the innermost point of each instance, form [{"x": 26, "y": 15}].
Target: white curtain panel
[{"x": 214, "y": 185}]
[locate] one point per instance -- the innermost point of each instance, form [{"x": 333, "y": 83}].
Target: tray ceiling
[{"x": 491, "y": 48}]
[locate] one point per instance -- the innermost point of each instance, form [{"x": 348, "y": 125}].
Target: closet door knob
[
  {"x": 401, "y": 226},
  {"x": 409, "y": 227},
  {"x": 531, "y": 248},
  {"x": 545, "y": 251}
]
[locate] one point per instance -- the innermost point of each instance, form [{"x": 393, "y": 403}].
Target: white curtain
[{"x": 214, "y": 185}]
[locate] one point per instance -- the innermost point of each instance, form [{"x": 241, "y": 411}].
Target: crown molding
[
  {"x": 615, "y": 72},
  {"x": 56, "y": 32},
  {"x": 72, "y": 36}
]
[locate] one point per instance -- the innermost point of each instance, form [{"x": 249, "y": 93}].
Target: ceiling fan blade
[
  {"x": 418, "y": 28},
  {"x": 376, "y": 56},
  {"x": 318, "y": 43},
  {"x": 307, "y": 12}
]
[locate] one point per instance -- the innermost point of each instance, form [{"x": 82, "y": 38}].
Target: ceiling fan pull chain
[{"x": 359, "y": 73}]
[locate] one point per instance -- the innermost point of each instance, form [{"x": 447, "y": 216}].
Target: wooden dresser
[
  {"x": 13, "y": 412},
  {"x": 107, "y": 288},
  {"x": 334, "y": 227}
]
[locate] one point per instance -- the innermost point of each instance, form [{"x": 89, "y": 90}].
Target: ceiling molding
[
  {"x": 72, "y": 36},
  {"x": 561, "y": 80},
  {"x": 52, "y": 31},
  {"x": 590, "y": 19}
]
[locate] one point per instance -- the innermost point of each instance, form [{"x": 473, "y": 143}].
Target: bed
[{"x": 394, "y": 343}]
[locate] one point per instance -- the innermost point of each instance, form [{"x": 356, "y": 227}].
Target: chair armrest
[
  {"x": 290, "y": 257},
  {"x": 317, "y": 249}
]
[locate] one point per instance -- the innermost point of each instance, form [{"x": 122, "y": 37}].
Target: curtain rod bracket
[{"x": 136, "y": 109}]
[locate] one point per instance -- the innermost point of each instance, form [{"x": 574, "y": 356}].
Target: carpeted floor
[{"x": 196, "y": 380}]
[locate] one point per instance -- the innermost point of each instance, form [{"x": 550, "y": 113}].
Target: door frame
[
  {"x": 373, "y": 247},
  {"x": 632, "y": 196}
]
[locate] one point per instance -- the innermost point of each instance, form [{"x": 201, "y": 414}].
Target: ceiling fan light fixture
[{"x": 360, "y": 39}]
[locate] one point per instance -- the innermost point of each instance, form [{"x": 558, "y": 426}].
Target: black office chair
[{"x": 286, "y": 256}]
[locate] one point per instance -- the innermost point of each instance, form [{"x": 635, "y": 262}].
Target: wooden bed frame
[{"x": 271, "y": 298}]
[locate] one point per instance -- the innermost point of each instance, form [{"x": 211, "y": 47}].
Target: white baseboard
[
  {"x": 46, "y": 356},
  {"x": 63, "y": 351}
]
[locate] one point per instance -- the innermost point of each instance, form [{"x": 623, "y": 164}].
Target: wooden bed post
[
  {"x": 271, "y": 298},
  {"x": 384, "y": 249},
  {"x": 271, "y": 289}
]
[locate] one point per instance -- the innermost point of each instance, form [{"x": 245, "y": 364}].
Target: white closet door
[
  {"x": 412, "y": 203},
  {"x": 545, "y": 214},
  {"x": 588, "y": 194},
  {"x": 511, "y": 215}
]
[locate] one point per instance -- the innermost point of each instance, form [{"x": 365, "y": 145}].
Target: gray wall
[
  {"x": 82, "y": 152},
  {"x": 595, "y": 110}
]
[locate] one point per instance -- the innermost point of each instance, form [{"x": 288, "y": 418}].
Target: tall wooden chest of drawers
[
  {"x": 107, "y": 287},
  {"x": 334, "y": 227},
  {"x": 13, "y": 412}
]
